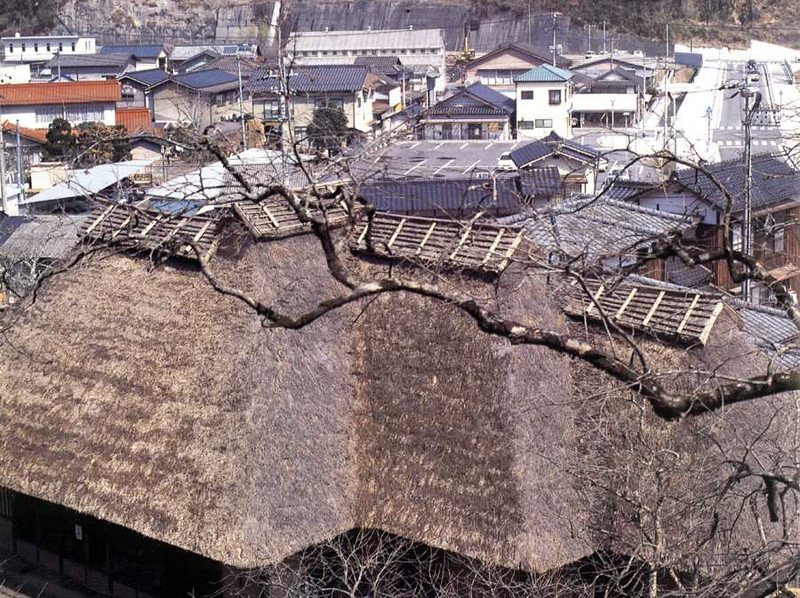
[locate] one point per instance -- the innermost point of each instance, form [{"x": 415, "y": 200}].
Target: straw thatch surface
[{"x": 146, "y": 399}]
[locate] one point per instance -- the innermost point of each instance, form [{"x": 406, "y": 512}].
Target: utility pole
[
  {"x": 747, "y": 225},
  {"x": 644, "y": 91},
  {"x": 604, "y": 37},
  {"x": 666, "y": 102},
  {"x": 555, "y": 47},
  {"x": 241, "y": 101},
  {"x": 530, "y": 30},
  {"x": 3, "y": 194},
  {"x": 20, "y": 166}
]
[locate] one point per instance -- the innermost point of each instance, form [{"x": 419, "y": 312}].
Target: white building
[
  {"x": 416, "y": 48},
  {"x": 41, "y": 48},
  {"x": 36, "y": 105},
  {"x": 12, "y": 72},
  {"x": 544, "y": 102}
]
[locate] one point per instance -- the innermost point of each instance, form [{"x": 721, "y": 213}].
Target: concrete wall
[{"x": 43, "y": 48}]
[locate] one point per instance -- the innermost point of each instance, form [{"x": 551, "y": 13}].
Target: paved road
[{"x": 729, "y": 134}]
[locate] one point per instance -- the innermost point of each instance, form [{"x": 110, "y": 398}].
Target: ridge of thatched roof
[
  {"x": 274, "y": 218},
  {"x": 137, "y": 227},
  {"x": 682, "y": 314},
  {"x": 473, "y": 245}
]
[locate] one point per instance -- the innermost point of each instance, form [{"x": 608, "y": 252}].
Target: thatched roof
[{"x": 144, "y": 398}]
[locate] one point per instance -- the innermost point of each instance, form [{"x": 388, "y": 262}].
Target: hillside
[{"x": 723, "y": 22}]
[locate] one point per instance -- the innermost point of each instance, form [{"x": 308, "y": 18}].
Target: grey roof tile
[{"x": 312, "y": 79}]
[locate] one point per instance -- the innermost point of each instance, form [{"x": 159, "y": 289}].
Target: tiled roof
[
  {"x": 490, "y": 96},
  {"x": 312, "y": 79},
  {"x": 597, "y": 228},
  {"x": 445, "y": 109},
  {"x": 626, "y": 190},
  {"x": 773, "y": 331},
  {"x": 118, "y": 61},
  {"x": 230, "y": 64},
  {"x": 378, "y": 61},
  {"x": 471, "y": 245},
  {"x": 39, "y": 135},
  {"x": 79, "y": 92},
  {"x": 151, "y": 52},
  {"x": 140, "y": 228},
  {"x": 448, "y": 196},
  {"x": 774, "y": 181},
  {"x": 541, "y": 182},
  {"x": 45, "y": 236},
  {"x": 692, "y": 277},
  {"x": 135, "y": 120},
  {"x": 384, "y": 39},
  {"x": 523, "y": 48},
  {"x": 684, "y": 315},
  {"x": 187, "y": 52},
  {"x": 205, "y": 78},
  {"x": 545, "y": 73},
  {"x": 553, "y": 144},
  {"x": 147, "y": 78}
]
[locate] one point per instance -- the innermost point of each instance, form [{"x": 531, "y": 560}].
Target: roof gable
[
  {"x": 522, "y": 50},
  {"x": 545, "y": 73}
]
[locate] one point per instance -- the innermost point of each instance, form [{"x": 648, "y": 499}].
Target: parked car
[{"x": 504, "y": 162}]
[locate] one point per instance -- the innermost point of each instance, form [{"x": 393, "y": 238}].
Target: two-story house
[
  {"x": 476, "y": 112},
  {"x": 145, "y": 57},
  {"x": 36, "y": 105},
  {"x": 775, "y": 204},
  {"x": 201, "y": 98},
  {"x": 544, "y": 97},
  {"x": 420, "y": 50},
  {"x": 498, "y": 68},
  {"x": 614, "y": 98},
  {"x": 348, "y": 87},
  {"x": 41, "y": 48}
]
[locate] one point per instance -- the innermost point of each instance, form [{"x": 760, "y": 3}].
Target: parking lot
[{"x": 442, "y": 159}]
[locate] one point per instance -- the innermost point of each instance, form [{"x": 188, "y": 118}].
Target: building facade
[
  {"x": 544, "y": 98},
  {"x": 36, "y": 105},
  {"x": 41, "y": 48}
]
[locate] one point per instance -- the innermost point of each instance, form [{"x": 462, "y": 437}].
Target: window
[
  {"x": 60, "y": 46},
  {"x": 35, "y": 46},
  {"x": 47, "y": 114},
  {"x": 48, "y": 46},
  {"x": 329, "y": 103},
  {"x": 526, "y": 95},
  {"x": 779, "y": 240},
  {"x": 272, "y": 109},
  {"x": 73, "y": 46},
  {"x": 525, "y": 124},
  {"x": 555, "y": 97},
  {"x": 10, "y": 48},
  {"x": 128, "y": 93},
  {"x": 543, "y": 123},
  {"x": 23, "y": 46}
]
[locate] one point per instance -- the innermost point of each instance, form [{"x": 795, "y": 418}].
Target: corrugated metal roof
[
  {"x": 312, "y": 79},
  {"x": 151, "y": 52},
  {"x": 387, "y": 39},
  {"x": 78, "y": 92},
  {"x": 545, "y": 73},
  {"x": 215, "y": 184},
  {"x": 87, "y": 183}
]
